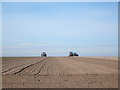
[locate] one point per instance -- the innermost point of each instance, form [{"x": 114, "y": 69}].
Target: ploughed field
[{"x": 59, "y": 72}]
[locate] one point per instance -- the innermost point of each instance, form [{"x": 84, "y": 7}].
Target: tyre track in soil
[
  {"x": 27, "y": 67},
  {"x": 18, "y": 69},
  {"x": 12, "y": 63},
  {"x": 15, "y": 62},
  {"x": 45, "y": 68},
  {"x": 34, "y": 69},
  {"x": 40, "y": 69},
  {"x": 12, "y": 68}
]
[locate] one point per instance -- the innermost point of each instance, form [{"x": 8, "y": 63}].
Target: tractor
[
  {"x": 73, "y": 54},
  {"x": 44, "y": 54}
]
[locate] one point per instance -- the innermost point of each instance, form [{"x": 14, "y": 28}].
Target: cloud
[{"x": 24, "y": 45}]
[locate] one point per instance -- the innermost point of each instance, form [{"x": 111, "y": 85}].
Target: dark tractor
[
  {"x": 44, "y": 54},
  {"x": 73, "y": 54}
]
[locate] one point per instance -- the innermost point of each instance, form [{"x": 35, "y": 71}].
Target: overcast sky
[{"x": 88, "y": 28}]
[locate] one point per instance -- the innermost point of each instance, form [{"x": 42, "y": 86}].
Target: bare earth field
[{"x": 59, "y": 72}]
